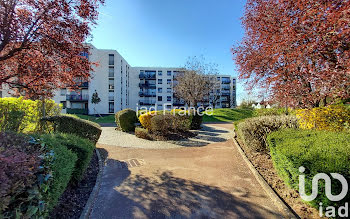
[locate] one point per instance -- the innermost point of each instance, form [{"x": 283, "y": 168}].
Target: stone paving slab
[{"x": 211, "y": 181}]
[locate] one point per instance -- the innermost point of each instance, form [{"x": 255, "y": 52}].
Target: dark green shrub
[
  {"x": 83, "y": 148},
  {"x": 142, "y": 133},
  {"x": 74, "y": 125},
  {"x": 253, "y": 131},
  {"x": 126, "y": 120},
  {"x": 196, "y": 121},
  {"x": 317, "y": 151},
  {"x": 62, "y": 168}
]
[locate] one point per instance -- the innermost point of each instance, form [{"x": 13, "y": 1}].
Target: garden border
[
  {"x": 89, "y": 204},
  {"x": 281, "y": 205}
]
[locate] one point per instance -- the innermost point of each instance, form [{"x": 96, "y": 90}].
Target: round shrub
[
  {"x": 145, "y": 119},
  {"x": 126, "y": 120},
  {"x": 162, "y": 124},
  {"x": 196, "y": 121}
]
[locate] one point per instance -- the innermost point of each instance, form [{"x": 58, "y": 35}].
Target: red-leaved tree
[
  {"x": 299, "y": 50},
  {"x": 42, "y": 41}
]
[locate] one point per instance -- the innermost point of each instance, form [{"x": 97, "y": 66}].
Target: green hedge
[
  {"x": 318, "y": 152},
  {"x": 271, "y": 112},
  {"x": 62, "y": 168},
  {"x": 253, "y": 131},
  {"x": 20, "y": 115},
  {"x": 83, "y": 148},
  {"x": 126, "y": 120},
  {"x": 74, "y": 125}
]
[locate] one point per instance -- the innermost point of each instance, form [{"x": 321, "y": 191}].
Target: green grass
[
  {"x": 104, "y": 119},
  {"x": 228, "y": 115}
]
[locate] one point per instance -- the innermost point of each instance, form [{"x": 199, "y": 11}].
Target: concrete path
[{"x": 211, "y": 181}]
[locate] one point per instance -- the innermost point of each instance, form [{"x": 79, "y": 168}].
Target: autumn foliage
[
  {"x": 42, "y": 41},
  {"x": 298, "y": 50}
]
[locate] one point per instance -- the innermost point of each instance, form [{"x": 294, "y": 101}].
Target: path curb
[
  {"x": 281, "y": 205},
  {"x": 89, "y": 204}
]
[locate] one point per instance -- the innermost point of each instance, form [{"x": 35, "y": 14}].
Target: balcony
[
  {"x": 147, "y": 103},
  {"x": 77, "y": 98},
  {"x": 147, "y": 76},
  {"x": 225, "y": 81},
  {"x": 147, "y": 94},
  {"x": 225, "y": 93},
  {"x": 147, "y": 85}
]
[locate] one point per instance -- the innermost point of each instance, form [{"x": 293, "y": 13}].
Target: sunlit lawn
[
  {"x": 228, "y": 115},
  {"x": 98, "y": 119}
]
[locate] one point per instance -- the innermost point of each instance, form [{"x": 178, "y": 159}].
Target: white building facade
[{"x": 120, "y": 86}]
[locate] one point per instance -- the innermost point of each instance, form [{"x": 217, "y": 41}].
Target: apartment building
[{"x": 120, "y": 86}]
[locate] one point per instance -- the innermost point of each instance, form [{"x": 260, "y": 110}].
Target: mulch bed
[
  {"x": 73, "y": 200},
  {"x": 264, "y": 165}
]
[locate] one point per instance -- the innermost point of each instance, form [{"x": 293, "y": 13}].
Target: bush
[
  {"x": 162, "y": 124},
  {"x": 24, "y": 176},
  {"x": 19, "y": 115},
  {"x": 196, "y": 121},
  {"x": 253, "y": 131},
  {"x": 318, "y": 152},
  {"x": 142, "y": 133},
  {"x": 126, "y": 120},
  {"x": 145, "y": 118},
  {"x": 74, "y": 125},
  {"x": 333, "y": 118},
  {"x": 271, "y": 112},
  {"x": 83, "y": 148},
  {"x": 62, "y": 168}
]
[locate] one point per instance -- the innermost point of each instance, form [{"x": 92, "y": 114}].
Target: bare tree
[{"x": 196, "y": 82}]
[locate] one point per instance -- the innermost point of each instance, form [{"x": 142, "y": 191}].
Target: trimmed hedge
[
  {"x": 271, "y": 112},
  {"x": 83, "y": 148},
  {"x": 62, "y": 168},
  {"x": 126, "y": 120},
  {"x": 145, "y": 118},
  {"x": 74, "y": 125},
  {"x": 317, "y": 151},
  {"x": 253, "y": 131},
  {"x": 196, "y": 122}
]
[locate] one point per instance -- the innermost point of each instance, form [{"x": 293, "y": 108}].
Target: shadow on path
[{"x": 164, "y": 195}]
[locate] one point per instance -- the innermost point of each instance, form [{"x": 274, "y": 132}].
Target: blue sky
[{"x": 166, "y": 32}]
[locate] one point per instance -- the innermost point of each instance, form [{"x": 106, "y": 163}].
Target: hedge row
[
  {"x": 73, "y": 125},
  {"x": 20, "y": 115},
  {"x": 253, "y": 131},
  {"x": 318, "y": 152}
]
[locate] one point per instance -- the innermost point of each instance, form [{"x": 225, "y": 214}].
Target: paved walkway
[{"x": 174, "y": 181}]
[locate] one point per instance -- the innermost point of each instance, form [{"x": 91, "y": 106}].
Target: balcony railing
[
  {"x": 147, "y": 85},
  {"x": 147, "y": 94},
  {"x": 144, "y": 103},
  {"x": 225, "y": 81},
  {"x": 75, "y": 97},
  {"x": 147, "y": 76}
]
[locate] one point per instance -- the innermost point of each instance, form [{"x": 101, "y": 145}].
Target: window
[
  {"x": 168, "y": 81},
  {"x": 111, "y": 96},
  {"x": 160, "y": 98},
  {"x": 111, "y": 107},
  {"x": 168, "y": 73},
  {"x": 160, "y": 81},
  {"x": 160, "y": 73},
  {"x": 111, "y": 59},
  {"x": 168, "y": 90},
  {"x": 111, "y": 72},
  {"x": 168, "y": 98},
  {"x": 64, "y": 104},
  {"x": 63, "y": 92},
  {"x": 111, "y": 84},
  {"x": 160, "y": 90}
]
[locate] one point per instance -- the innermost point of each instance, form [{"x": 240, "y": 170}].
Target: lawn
[
  {"x": 103, "y": 119},
  {"x": 228, "y": 115}
]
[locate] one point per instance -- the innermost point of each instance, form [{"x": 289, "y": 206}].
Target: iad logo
[{"x": 343, "y": 211}]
